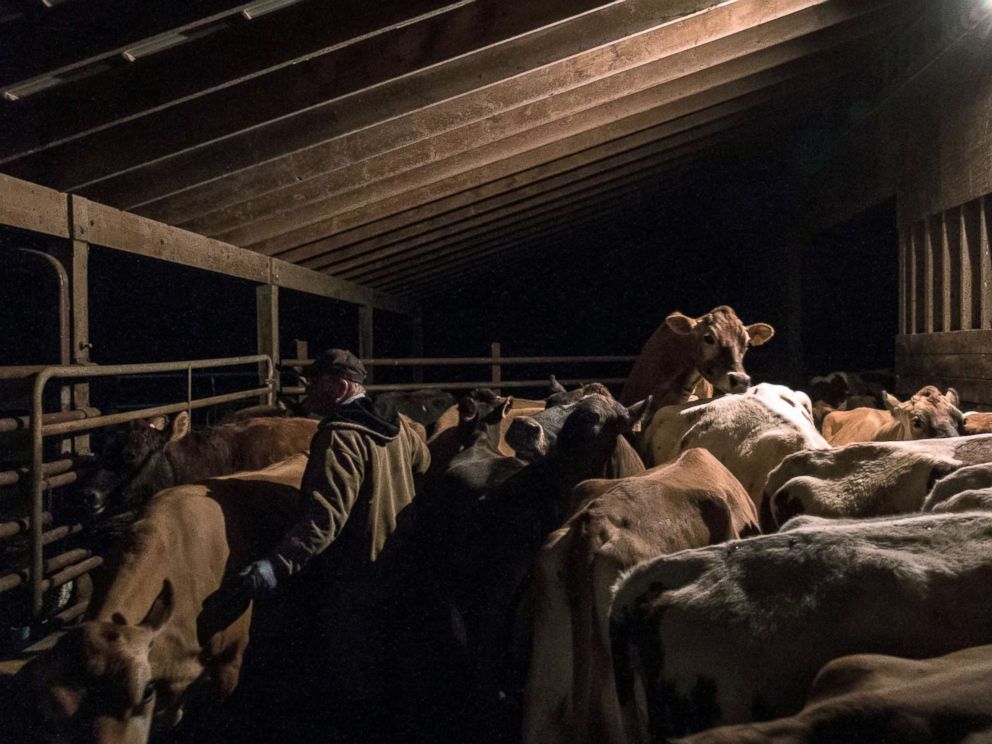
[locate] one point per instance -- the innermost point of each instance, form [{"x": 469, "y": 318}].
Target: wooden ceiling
[{"x": 399, "y": 143}]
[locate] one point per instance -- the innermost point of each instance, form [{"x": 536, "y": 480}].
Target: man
[{"x": 358, "y": 479}]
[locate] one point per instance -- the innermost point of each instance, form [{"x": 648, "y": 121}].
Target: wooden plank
[
  {"x": 959, "y": 342},
  {"x": 267, "y": 333},
  {"x": 670, "y": 141},
  {"x": 505, "y": 114},
  {"x": 986, "y": 262},
  {"x": 406, "y": 88},
  {"x": 971, "y": 229},
  {"x": 956, "y": 307},
  {"x": 32, "y": 207},
  {"x": 971, "y": 391},
  {"x": 977, "y": 366},
  {"x": 929, "y": 297},
  {"x": 587, "y": 162},
  {"x": 123, "y": 231},
  {"x": 947, "y": 295},
  {"x": 552, "y": 137},
  {"x": 903, "y": 282},
  {"x": 915, "y": 262}
]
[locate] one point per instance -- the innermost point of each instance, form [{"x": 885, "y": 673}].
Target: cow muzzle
[{"x": 526, "y": 437}]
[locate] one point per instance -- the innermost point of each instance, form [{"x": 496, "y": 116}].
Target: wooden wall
[{"x": 927, "y": 139}]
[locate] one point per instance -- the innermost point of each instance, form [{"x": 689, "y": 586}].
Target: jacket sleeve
[
  {"x": 332, "y": 494},
  {"x": 420, "y": 455}
]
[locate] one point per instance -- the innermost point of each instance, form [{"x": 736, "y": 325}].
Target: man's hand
[{"x": 257, "y": 579}]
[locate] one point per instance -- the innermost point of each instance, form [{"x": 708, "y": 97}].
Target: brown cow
[
  {"x": 876, "y": 698},
  {"x": 976, "y": 422},
  {"x": 683, "y": 350},
  {"x": 145, "y": 640},
  {"x": 149, "y": 455},
  {"x": 927, "y": 415},
  {"x": 690, "y": 503}
]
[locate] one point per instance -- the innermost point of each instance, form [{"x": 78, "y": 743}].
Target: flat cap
[{"x": 338, "y": 362}]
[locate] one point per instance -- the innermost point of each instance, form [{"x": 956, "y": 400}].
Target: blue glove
[{"x": 257, "y": 579}]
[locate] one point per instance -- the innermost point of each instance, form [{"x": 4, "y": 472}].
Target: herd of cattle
[{"x": 583, "y": 568}]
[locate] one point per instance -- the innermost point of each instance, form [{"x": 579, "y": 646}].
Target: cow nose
[{"x": 739, "y": 381}]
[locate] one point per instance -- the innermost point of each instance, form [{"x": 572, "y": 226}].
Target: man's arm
[{"x": 332, "y": 495}]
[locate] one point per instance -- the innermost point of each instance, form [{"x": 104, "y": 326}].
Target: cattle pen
[{"x": 197, "y": 199}]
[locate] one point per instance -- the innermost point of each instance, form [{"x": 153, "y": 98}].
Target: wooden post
[
  {"x": 496, "y": 369},
  {"x": 75, "y": 256},
  {"x": 302, "y": 349},
  {"x": 417, "y": 343},
  {"x": 267, "y": 317},
  {"x": 365, "y": 344}
]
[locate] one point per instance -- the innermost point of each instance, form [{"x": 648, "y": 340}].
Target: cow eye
[
  {"x": 917, "y": 423},
  {"x": 149, "y": 693},
  {"x": 708, "y": 338}
]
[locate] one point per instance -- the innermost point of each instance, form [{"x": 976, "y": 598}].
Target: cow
[
  {"x": 683, "y": 350},
  {"x": 969, "y": 478},
  {"x": 498, "y": 541},
  {"x": 976, "y": 422},
  {"x": 734, "y": 633},
  {"x": 877, "y": 698},
  {"x": 146, "y": 639},
  {"x": 148, "y": 455},
  {"x": 693, "y": 502},
  {"x": 558, "y": 395},
  {"x": 750, "y": 433},
  {"x": 927, "y": 415},
  {"x": 422, "y": 406},
  {"x": 865, "y": 480}
]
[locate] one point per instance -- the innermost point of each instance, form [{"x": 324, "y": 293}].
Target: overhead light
[
  {"x": 265, "y": 6},
  {"x": 29, "y": 87},
  {"x": 153, "y": 45}
]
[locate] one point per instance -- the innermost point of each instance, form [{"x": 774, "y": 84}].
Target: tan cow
[
  {"x": 145, "y": 640},
  {"x": 876, "y": 698},
  {"x": 927, "y": 415},
  {"x": 976, "y": 422},
  {"x": 693, "y": 502},
  {"x": 750, "y": 433},
  {"x": 866, "y": 480},
  {"x": 732, "y": 634},
  {"x": 684, "y": 350}
]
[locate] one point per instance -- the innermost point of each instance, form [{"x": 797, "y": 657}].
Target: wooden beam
[
  {"x": 267, "y": 325},
  {"x": 428, "y": 65},
  {"x": 471, "y": 169},
  {"x": 549, "y": 121},
  {"x": 694, "y": 132},
  {"x": 32, "y": 207}
]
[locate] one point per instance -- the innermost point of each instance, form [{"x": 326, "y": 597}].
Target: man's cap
[{"x": 338, "y": 362}]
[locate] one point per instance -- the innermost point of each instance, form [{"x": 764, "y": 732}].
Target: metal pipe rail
[{"x": 40, "y": 429}]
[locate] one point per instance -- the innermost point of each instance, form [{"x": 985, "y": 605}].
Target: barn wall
[{"x": 927, "y": 140}]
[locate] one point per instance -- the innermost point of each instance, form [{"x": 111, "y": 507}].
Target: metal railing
[
  {"x": 495, "y": 361},
  {"x": 74, "y": 563}
]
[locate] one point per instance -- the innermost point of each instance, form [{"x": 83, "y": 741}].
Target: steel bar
[
  {"x": 17, "y": 526},
  {"x": 60, "y": 533},
  {"x": 71, "y": 613},
  {"x": 470, "y": 385},
  {"x": 10, "y": 581},
  {"x": 19, "y": 423},
  {"x": 68, "y": 574},
  {"x": 69, "y": 558},
  {"x": 456, "y": 361}
]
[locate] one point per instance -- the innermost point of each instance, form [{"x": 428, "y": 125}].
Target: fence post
[
  {"x": 267, "y": 317},
  {"x": 365, "y": 347},
  {"x": 496, "y": 368}
]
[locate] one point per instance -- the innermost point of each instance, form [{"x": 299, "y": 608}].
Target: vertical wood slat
[
  {"x": 985, "y": 272},
  {"x": 952, "y": 257},
  {"x": 903, "y": 281},
  {"x": 919, "y": 277},
  {"x": 366, "y": 318},
  {"x": 934, "y": 277},
  {"x": 968, "y": 315},
  {"x": 267, "y": 334}
]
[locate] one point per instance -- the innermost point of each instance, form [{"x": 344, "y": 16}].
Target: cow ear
[
  {"x": 161, "y": 610},
  {"x": 953, "y": 398},
  {"x": 760, "y": 333},
  {"x": 180, "y": 426},
  {"x": 555, "y": 386},
  {"x": 507, "y": 406},
  {"x": 468, "y": 409},
  {"x": 891, "y": 402},
  {"x": 158, "y": 423},
  {"x": 638, "y": 414},
  {"x": 680, "y": 324},
  {"x": 842, "y": 406}
]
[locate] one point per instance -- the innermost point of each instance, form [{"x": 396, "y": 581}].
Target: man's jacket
[{"x": 358, "y": 479}]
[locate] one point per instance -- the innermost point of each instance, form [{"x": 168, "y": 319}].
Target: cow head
[
  {"x": 718, "y": 343},
  {"x": 129, "y": 458},
  {"x": 928, "y": 414},
  {"x": 97, "y": 683},
  {"x": 559, "y": 396},
  {"x": 533, "y": 437},
  {"x": 588, "y": 437}
]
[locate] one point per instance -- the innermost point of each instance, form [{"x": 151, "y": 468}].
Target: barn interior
[{"x": 435, "y": 179}]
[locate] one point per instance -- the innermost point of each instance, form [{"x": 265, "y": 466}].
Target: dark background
[{"x": 722, "y": 234}]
